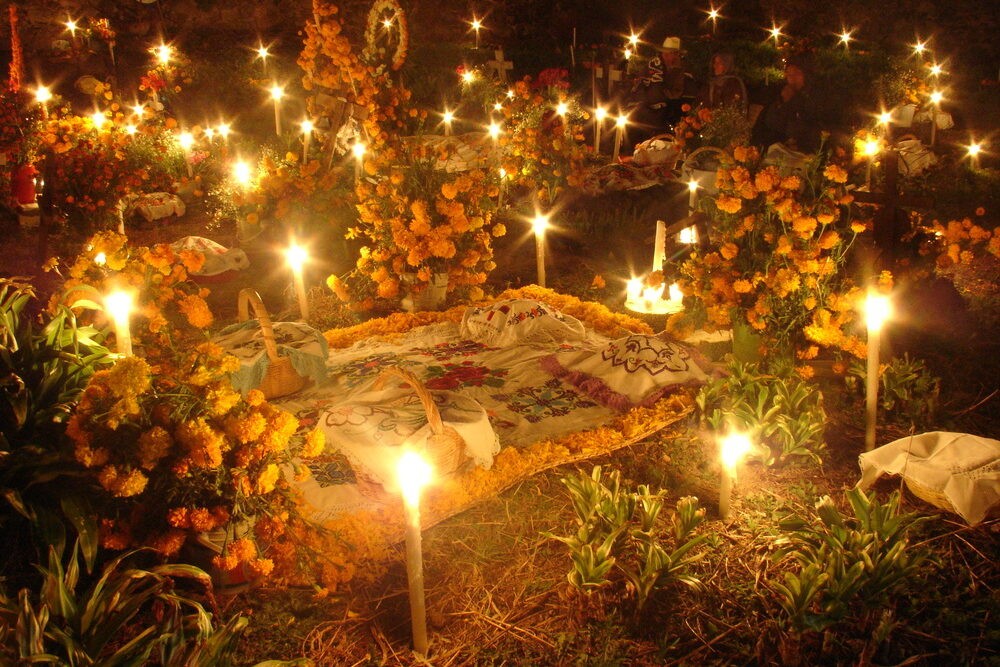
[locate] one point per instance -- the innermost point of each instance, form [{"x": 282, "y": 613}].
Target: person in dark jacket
[
  {"x": 660, "y": 93},
  {"x": 791, "y": 118}
]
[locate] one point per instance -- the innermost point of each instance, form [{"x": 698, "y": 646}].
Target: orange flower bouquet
[
  {"x": 777, "y": 265},
  {"x": 418, "y": 220}
]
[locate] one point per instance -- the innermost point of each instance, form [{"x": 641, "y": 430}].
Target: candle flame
[
  {"x": 163, "y": 53},
  {"x": 633, "y": 39},
  {"x": 118, "y": 304},
  {"x": 713, "y": 13},
  {"x": 498, "y": 106},
  {"x": 98, "y": 119},
  {"x": 562, "y": 108},
  {"x": 358, "y": 149},
  {"x": 71, "y": 26},
  {"x": 262, "y": 52},
  {"x": 872, "y": 148},
  {"x": 600, "y": 113},
  {"x": 131, "y": 129},
  {"x": 975, "y": 148},
  {"x": 277, "y": 92},
  {"x": 693, "y": 185},
  {"x": 845, "y": 37},
  {"x": 539, "y": 224},
  {"x": 223, "y": 130},
  {"x": 732, "y": 449},
  {"x": 186, "y": 140},
  {"x": 885, "y": 117},
  {"x": 448, "y": 116},
  {"x": 241, "y": 172},
  {"x": 476, "y": 24},
  {"x": 296, "y": 256},
  {"x": 627, "y": 53},
  {"x": 100, "y": 259},
  {"x": 878, "y": 309},
  {"x": 307, "y": 126},
  {"x": 775, "y": 32},
  {"x": 936, "y": 97},
  {"x": 919, "y": 47},
  {"x": 936, "y": 70},
  {"x": 633, "y": 288},
  {"x": 42, "y": 94},
  {"x": 413, "y": 473},
  {"x": 621, "y": 121},
  {"x": 494, "y": 130},
  {"x": 468, "y": 76}
]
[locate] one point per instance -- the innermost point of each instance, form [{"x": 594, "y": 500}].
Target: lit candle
[
  {"x": 71, "y": 26},
  {"x": 713, "y": 15},
  {"x": 693, "y": 186},
  {"x": 845, "y": 38},
  {"x": 919, "y": 48},
  {"x": 241, "y": 173},
  {"x": 296, "y": 256},
  {"x": 688, "y": 235},
  {"x": 307, "y": 129},
  {"x": 476, "y": 26},
  {"x": 42, "y": 96},
  {"x": 98, "y": 119},
  {"x": 494, "y": 131},
  {"x": 936, "y": 98},
  {"x": 358, "y": 149},
  {"x": 877, "y": 311},
  {"x": 732, "y": 449},
  {"x": 414, "y": 473},
  {"x": 163, "y": 53},
  {"x": 633, "y": 289},
  {"x": 651, "y": 295},
  {"x": 447, "y": 117},
  {"x": 974, "y": 149},
  {"x": 660, "y": 245},
  {"x": 224, "y": 129},
  {"x": 468, "y": 76},
  {"x": 119, "y": 306},
  {"x": 277, "y": 92},
  {"x": 775, "y": 32},
  {"x": 676, "y": 295},
  {"x": 562, "y": 110},
  {"x": 186, "y": 141},
  {"x": 600, "y": 113},
  {"x": 539, "y": 225},
  {"x": 872, "y": 149},
  {"x": 263, "y": 53},
  {"x": 620, "y": 122}
]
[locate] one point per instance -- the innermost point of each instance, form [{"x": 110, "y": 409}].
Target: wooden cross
[
  {"x": 499, "y": 66},
  {"x": 614, "y": 75}
]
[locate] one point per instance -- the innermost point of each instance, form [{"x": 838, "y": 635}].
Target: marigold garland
[{"x": 386, "y": 10}]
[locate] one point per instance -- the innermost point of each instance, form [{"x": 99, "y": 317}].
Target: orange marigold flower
[
  {"x": 729, "y": 250},
  {"x": 729, "y": 204},
  {"x": 742, "y": 286},
  {"x": 835, "y": 173},
  {"x": 315, "y": 443}
]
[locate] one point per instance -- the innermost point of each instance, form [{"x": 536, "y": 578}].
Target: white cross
[{"x": 499, "y": 66}]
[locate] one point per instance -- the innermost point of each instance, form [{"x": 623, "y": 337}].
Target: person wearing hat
[{"x": 664, "y": 88}]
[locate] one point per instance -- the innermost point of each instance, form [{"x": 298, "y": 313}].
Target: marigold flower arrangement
[
  {"x": 178, "y": 452},
  {"x": 538, "y": 151},
  {"x": 418, "y": 220},
  {"x": 781, "y": 243}
]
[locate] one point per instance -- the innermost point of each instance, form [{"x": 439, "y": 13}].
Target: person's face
[
  {"x": 718, "y": 66},
  {"x": 671, "y": 58},
  {"x": 795, "y": 77}
]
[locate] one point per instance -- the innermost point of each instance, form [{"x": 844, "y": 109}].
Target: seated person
[
  {"x": 725, "y": 88},
  {"x": 791, "y": 118},
  {"x": 660, "y": 93}
]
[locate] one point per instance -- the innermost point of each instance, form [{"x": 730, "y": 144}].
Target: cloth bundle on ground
[
  {"x": 520, "y": 322},
  {"x": 218, "y": 258},
  {"x": 630, "y": 371},
  {"x": 154, "y": 205},
  {"x": 657, "y": 150},
  {"x": 303, "y": 345},
  {"x": 914, "y": 157},
  {"x": 961, "y": 472}
]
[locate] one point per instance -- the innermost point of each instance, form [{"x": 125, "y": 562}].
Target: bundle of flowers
[
  {"x": 539, "y": 152},
  {"x": 777, "y": 265},
  {"x": 178, "y": 452},
  {"x": 96, "y": 165},
  {"x": 724, "y": 128},
  {"x": 418, "y": 220}
]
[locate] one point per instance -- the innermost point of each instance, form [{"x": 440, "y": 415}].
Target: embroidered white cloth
[
  {"x": 156, "y": 206},
  {"x": 372, "y": 429},
  {"x": 964, "y": 468},
  {"x": 520, "y": 322}
]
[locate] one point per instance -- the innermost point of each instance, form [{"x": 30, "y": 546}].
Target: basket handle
[
  {"x": 433, "y": 416},
  {"x": 251, "y": 297}
]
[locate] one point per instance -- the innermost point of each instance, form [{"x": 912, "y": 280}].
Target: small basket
[
  {"x": 281, "y": 378},
  {"x": 445, "y": 447},
  {"x": 930, "y": 496}
]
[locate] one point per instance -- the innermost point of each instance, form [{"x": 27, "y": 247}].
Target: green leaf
[{"x": 81, "y": 514}]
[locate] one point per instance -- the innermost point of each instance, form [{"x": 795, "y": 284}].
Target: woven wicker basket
[
  {"x": 928, "y": 495},
  {"x": 281, "y": 378},
  {"x": 445, "y": 448}
]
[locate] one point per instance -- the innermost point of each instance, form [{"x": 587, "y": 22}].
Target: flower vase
[
  {"x": 746, "y": 343},
  {"x": 202, "y": 551},
  {"x": 431, "y": 297}
]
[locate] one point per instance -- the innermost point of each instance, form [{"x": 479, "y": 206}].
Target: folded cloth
[
  {"x": 218, "y": 258},
  {"x": 520, "y": 321},
  {"x": 630, "y": 371},
  {"x": 303, "y": 345},
  {"x": 963, "y": 468},
  {"x": 372, "y": 430},
  {"x": 156, "y": 205}
]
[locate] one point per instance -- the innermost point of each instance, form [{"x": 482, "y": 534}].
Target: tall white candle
[
  {"x": 539, "y": 225},
  {"x": 307, "y": 129},
  {"x": 693, "y": 186},
  {"x": 660, "y": 245},
  {"x": 119, "y": 306},
  {"x": 600, "y": 113},
  {"x": 414, "y": 473},
  {"x": 877, "y": 311},
  {"x": 296, "y": 256},
  {"x": 277, "y": 92},
  {"x": 620, "y": 123},
  {"x": 732, "y": 449}
]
